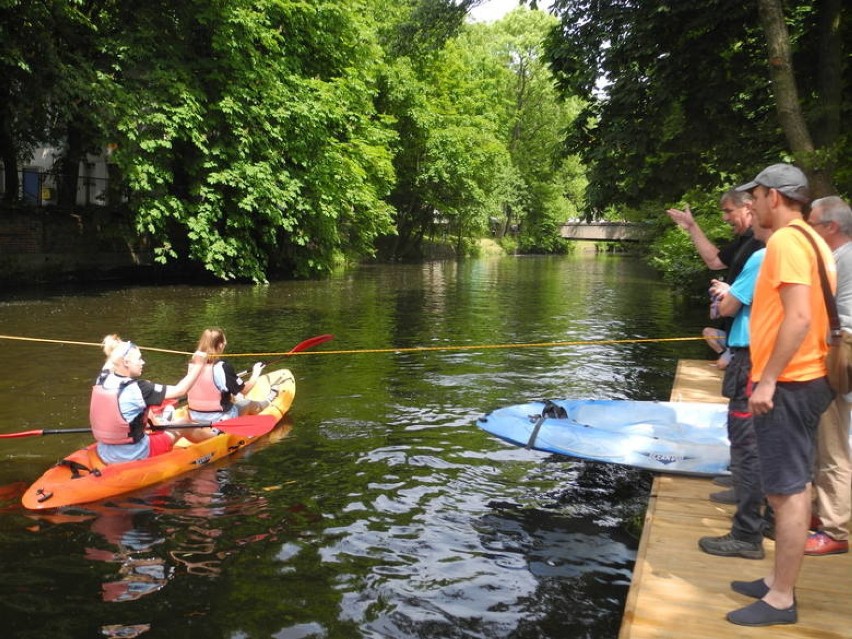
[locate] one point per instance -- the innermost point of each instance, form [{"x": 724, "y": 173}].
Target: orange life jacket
[
  {"x": 108, "y": 424},
  {"x": 205, "y": 396}
]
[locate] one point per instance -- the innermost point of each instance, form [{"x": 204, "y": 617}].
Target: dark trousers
[{"x": 749, "y": 521}]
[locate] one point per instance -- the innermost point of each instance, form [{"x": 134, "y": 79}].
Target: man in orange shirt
[{"x": 789, "y": 327}]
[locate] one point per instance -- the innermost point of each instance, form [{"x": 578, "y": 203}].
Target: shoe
[
  {"x": 821, "y": 544},
  {"x": 761, "y": 613},
  {"x": 756, "y": 588},
  {"x": 727, "y": 546},
  {"x": 726, "y": 481},
  {"x": 724, "y": 497}
]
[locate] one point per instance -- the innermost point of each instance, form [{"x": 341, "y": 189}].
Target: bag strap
[{"x": 830, "y": 301}]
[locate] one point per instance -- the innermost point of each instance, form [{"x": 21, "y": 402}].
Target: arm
[
  {"x": 256, "y": 370},
  {"x": 844, "y": 292},
  {"x": 795, "y": 299},
  {"x": 233, "y": 384},
  {"x": 706, "y": 249},
  {"x": 196, "y": 365}
]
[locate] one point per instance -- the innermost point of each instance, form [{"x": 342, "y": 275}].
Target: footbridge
[{"x": 605, "y": 231}]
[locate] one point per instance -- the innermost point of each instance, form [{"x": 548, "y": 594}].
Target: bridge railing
[{"x": 604, "y": 231}]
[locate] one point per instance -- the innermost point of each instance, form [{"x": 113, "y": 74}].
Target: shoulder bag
[{"x": 839, "y": 355}]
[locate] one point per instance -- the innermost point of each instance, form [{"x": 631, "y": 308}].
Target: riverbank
[{"x": 47, "y": 246}]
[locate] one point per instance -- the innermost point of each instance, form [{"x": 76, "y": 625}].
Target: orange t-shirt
[{"x": 790, "y": 259}]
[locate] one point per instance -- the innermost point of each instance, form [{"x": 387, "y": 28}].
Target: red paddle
[
  {"x": 301, "y": 346},
  {"x": 310, "y": 342},
  {"x": 245, "y": 425}
]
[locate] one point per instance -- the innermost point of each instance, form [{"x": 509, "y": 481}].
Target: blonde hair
[
  {"x": 110, "y": 343},
  {"x": 115, "y": 348},
  {"x": 210, "y": 342}
]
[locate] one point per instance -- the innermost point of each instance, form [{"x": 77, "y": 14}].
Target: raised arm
[
  {"x": 196, "y": 365},
  {"x": 706, "y": 249}
]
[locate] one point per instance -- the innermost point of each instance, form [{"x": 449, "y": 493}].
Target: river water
[{"x": 385, "y": 512}]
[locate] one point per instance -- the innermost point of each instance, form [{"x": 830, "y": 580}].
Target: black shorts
[
  {"x": 786, "y": 435},
  {"x": 735, "y": 383}
]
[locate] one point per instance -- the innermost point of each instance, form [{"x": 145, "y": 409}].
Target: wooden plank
[
  {"x": 679, "y": 591},
  {"x": 697, "y": 381}
]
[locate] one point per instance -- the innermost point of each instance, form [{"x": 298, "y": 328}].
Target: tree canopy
[
  {"x": 283, "y": 136},
  {"x": 680, "y": 95},
  {"x": 264, "y": 137}
]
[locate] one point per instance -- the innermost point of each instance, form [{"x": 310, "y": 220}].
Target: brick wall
[{"x": 51, "y": 245}]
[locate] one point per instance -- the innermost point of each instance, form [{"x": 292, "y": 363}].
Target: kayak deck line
[{"x": 677, "y": 590}]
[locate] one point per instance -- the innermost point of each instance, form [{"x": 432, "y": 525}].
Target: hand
[
  {"x": 718, "y": 288},
  {"x": 257, "y": 368},
  {"x": 683, "y": 218},
  {"x": 760, "y": 401}
]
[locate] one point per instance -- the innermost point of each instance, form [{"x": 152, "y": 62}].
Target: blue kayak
[{"x": 666, "y": 437}]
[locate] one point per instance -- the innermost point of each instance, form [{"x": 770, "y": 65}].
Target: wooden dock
[{"x": 680, "y": 592}]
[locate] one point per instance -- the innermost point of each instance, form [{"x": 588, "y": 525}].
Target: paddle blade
[
  {"x": 26, "y": 433},
  {"x": 247, "y": 425},
  {"x": 310, "y": 342}
]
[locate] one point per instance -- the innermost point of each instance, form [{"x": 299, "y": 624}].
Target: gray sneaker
[{"x": 727, "y": 546}]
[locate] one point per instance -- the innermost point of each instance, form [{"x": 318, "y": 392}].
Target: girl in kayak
[
  {"x": 119, "y": 401},
  {"x": 218, "y": 393}
]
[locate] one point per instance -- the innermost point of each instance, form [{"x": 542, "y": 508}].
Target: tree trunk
[
  {"x": 786, "y": 93},
  {"x": 827, "y": 124},
  {"x": 10, "y": 162},
  {"x": 69, "y": 167}
]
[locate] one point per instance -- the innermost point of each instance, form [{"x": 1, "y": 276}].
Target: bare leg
[
  {"x": 792, "y": 516},
  {"x": 194, "y": 435}
]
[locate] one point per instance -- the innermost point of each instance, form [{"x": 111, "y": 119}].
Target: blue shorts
[{"x": 786, "y": 435}]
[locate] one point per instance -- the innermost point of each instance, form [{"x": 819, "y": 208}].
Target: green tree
[
  {"x": 535, "y": 120},
  {"x": 247, "y": 134},
  {"x": 47, "y": 60},
  {"x": 680, "y": 97},
  {"x": 448, "y": 154}
]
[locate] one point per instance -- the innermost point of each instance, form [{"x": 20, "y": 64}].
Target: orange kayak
[{"x": 82, "y": 477}]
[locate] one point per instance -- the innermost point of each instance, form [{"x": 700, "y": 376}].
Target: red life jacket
[
  {"x": 205, "y": 396},
  {"x": 108, "y": 424}
]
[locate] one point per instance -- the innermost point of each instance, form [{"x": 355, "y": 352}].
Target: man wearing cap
[{"x": 789, "y": 325}]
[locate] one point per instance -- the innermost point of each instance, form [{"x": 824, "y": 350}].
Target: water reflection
[
  {"x": 386, "y": 513},
  {"x": 140, "y": 571}
]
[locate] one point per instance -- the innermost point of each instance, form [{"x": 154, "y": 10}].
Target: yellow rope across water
[{"x": 413, "y": 349}]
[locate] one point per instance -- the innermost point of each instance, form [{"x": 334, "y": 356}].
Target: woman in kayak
[
  {"x": 119, "y": 401},
  {"x": 218, "y": 393}
]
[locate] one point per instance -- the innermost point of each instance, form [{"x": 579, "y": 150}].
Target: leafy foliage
[
  {"x": 271, "y": 157},
  {"x": 672, "y": 251},
  {"x": 679, "y": 94},
  {"x": 480, "y": 125}
]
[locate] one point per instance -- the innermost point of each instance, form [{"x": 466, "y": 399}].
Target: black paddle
[{"x": 246, "y": 425}]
